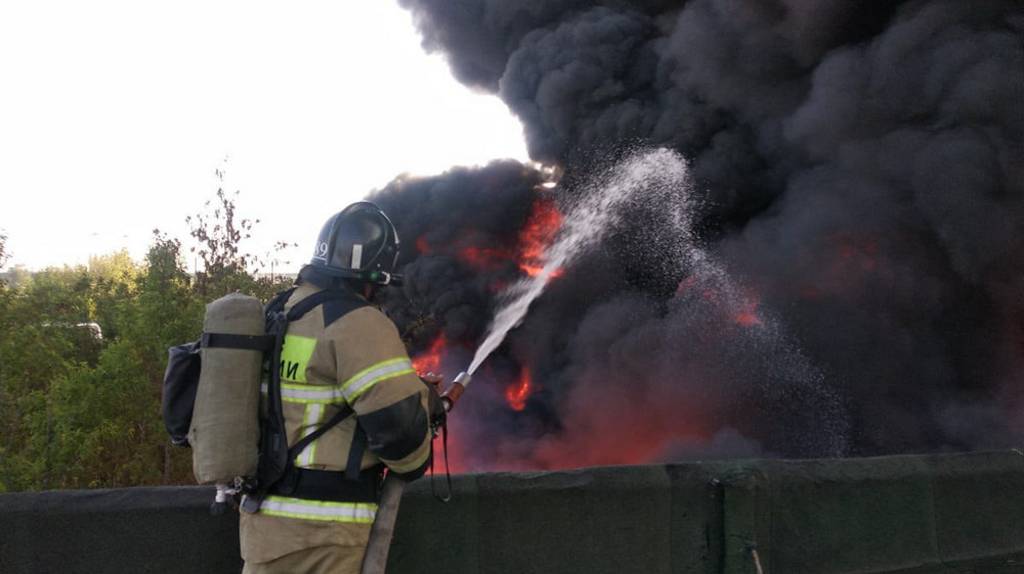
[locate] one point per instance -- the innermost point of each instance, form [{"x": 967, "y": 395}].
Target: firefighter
[{"x": 342, "y": 352}]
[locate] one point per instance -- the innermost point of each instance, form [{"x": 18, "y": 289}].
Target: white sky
[{"x": 114, "y": 116}]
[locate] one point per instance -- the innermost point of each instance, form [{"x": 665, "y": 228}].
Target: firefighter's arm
[{"x": 389, "y": 399}]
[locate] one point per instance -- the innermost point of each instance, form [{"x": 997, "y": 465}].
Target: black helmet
[{"x": 360, "y": 243}]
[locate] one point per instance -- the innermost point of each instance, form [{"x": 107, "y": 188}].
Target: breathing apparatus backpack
[{"x": 211, "y": 398}]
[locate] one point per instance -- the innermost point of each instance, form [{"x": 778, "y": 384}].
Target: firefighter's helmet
[{"x": 360, "y": 243}]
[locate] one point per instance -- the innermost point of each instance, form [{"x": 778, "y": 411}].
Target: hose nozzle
[{"x": 451, "y": 396}]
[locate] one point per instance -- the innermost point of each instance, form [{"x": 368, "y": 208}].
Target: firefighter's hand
[
  {"x": 433, "y": 379},
  {"x": 435, "y": 406}
]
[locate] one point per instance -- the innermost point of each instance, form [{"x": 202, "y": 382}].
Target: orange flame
[
  {"x": 543, "y": 224},
  {"x": 430, "y": 361},
  {"x": 534, "y": 238},
  {"x": 530, "y": 253},
  {"x": 517, "y": 393}
]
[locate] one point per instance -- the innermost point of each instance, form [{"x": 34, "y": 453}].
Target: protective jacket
[{"x": 334, "y": 356}]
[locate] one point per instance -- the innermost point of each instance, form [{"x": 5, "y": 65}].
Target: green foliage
[
  {"x": 83, "y": 352},
  {"x": 114, "y": 287},
  {"x": 101, "y": 426}
]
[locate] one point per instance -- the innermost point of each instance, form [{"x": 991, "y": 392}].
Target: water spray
[{"x": 584, "y": 224}]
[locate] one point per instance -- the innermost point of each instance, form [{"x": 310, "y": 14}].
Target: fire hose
[{"x": 375, "y": 560}]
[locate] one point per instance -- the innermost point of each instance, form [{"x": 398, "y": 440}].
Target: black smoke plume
[{"x": 859, "y": 168}]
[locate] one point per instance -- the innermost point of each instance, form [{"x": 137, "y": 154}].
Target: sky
[{"x": 115, "y": 117}]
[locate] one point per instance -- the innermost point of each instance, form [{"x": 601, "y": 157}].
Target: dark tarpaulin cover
[{"x": 902, "y": 514}]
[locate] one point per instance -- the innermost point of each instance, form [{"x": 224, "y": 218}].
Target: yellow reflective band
[
  {"x": 295, "y": 357},
  {"x": 356, "y": 512},
  {"x": 311, "y": 420},
  {"x": 365, "y": 380},
  {"x": 311, "y": 394},
  {"x": 308, "y": 394}
]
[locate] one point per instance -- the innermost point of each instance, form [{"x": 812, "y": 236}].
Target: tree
[
  {"x": 227, "y": 267},
  {"x": 219, "y": 236},
  {"x": 37, "y": 346},
  {"x": 114, "y": 286},
  {"x": 79, "y": 411},
  {"x": 100, "y": 425}
]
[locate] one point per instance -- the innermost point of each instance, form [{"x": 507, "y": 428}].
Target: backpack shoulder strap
[
  {"x": 355, "y": 453},
  {"x": 277, "y": 302},
  {"x": 335, "y": 309},
  {"x": 343, "y": 413},
  {"x": 276, "y": 458},
  {"x": 336, "y": 302}
]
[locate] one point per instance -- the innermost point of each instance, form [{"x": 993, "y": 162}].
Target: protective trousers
[{"x": 316, "y": 560}]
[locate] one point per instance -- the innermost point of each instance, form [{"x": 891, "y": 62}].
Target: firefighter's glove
[{"x": 435, "y": 406}]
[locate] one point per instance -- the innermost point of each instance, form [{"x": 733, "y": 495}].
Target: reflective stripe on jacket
[
  {"x": 357, "y": 359},
  {"x": 357, "y": 512}
]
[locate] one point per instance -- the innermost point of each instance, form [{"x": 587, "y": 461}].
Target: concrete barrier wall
[{"x": 908, "y": 514}]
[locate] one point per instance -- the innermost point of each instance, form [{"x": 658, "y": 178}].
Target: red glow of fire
[
  {"x": 861, "y": 252},
  {"x": 644, "y": 432},
  {"x": 484, "y": 258},
  {"x": 691, "y": 282},
  {"x": 540, "y": 230},
  {"x": 530, "y": 254},
  {"x": 430, "y": 361},
  {"x": 459, "y": 440},
  {"x": 686, "y": 284},
  {"x": 747, "y": 315},
  {"x": 853, "y": 262},
  {"x": 517, "y": 393}
]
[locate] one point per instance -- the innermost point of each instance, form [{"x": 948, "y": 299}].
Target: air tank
[{"x": 225, "y": 422}]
